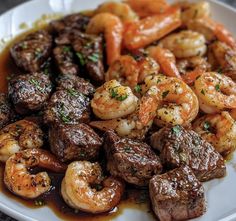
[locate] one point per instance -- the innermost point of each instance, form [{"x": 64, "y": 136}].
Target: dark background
[{"x": 7, "y": 4}]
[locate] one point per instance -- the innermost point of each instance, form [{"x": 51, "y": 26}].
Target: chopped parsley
[
  {"x": 94, "y": 57},
  {"x": 137, "y": 88},
  {"x": 127, "y": 149},
  {"x": 165, "y": 93},
  {"x": 217, "y": 87},
  {"x": 206, "y": 125},
  {"x": 202, "y": 92},
  {"x": 114, "y": 94},
  {"x": 66, "y": 49},
  {"x": 219, "y": 71},
  {"x": 176, "y": 129},
  {"x": 36, "y": 84},
  {"x": 65, "y": 118},
  {"x": 38, "y": 53},
  {"x": 72, "y": 92},
  {"x": 81, "y": 58},
  {"x": 24, "y": 45}
]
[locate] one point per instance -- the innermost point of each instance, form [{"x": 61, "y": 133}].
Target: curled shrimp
[
  {"x": 185, "y": 44},
  {"x": 122, "y": 10},
  {"x": 112, "y": 27},
  {"x": 18, "y": 136},
  {"x": 191, "y": 68},
  {"x": 179, "y": 104},
  {"x": 219, "y": 130},
  {"x": 112, "y": 100},
  {"x": 212, "y": 30},
  {"x": 146, "y": 8},
  {"x": 143, "y": 32},
  {"x": 138, "y": 123},
  {"x": 129, "y": 71},
  {"x": 77, "y": 192},
  {"x": 216, "y": 92},
  {"x": 195, "y": 11},
  {"x": 224, "y": 58},
  {"x": 165, "y": 59},
  {"x": 18, "y": 179}
]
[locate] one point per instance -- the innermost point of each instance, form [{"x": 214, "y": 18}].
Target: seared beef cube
[
  {"x": 74, "y": 142},
  {"x": 29, "y": 92},
  {"x": 131, "y": 160},
  {"x": 31, "y": 52},
  {"x": 177, "y": 195},
  {"x": 6, "y": 112},
  {"x": 74, "y": 21},
  {"x": 67, "y": 107},
  {"x": 71, "y": 82},
  {"x": 89, "y": 50},
  {"x": 64, "y": 59},
  {"x": 180, "y": 146}
]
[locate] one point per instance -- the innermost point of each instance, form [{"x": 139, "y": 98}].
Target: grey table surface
[{"x": 8, "y": 4}]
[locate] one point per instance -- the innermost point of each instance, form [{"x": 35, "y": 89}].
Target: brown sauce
[{"x": 133, "y": 198}]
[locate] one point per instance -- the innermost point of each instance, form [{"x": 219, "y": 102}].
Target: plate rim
[{"x": 15, "y": 213}]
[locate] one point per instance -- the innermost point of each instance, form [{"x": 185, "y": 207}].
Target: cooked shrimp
[
  {"x": 78, "y": 193},
  {"x": 196, "y": 11},
  {"x": 219, "y": 130},
  {"x": 112, "y": 100},
  {"x": 129, "y": 71},
  {"x": 122, "y": 10},
  {"x": 146, "y": 8},
  {"x": 185, "y": 44},
  {"x": 18, "y": 179},
  {"x": 216, "y": 92},
  {"x": 179, "y": 104},
  {"x": 191, "y": 68},
  {"x": 224, "y": 58},
  {"x": 112, "y": 28},
  {"x": 212, "y": 30},
  {"x": 141, "y": 33},
  {"x": 137, "y": 124},
  {"x": 17, "y": 136},
  {"x": 165, "y": 59}
]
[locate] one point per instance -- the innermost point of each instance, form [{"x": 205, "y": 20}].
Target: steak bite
[
  {"x": 31, "y": 52},
  {"x": 131, "y": 160},
  {"x": 6, "y": 112},
  {"x": 29, "y": 92},
  {"x": 67, "y": 107},
  {"x": 180, "y": 146},
  {"x": 75, "y": 21},
  {"x": 89, "y": 52},
  {"x": 177, "y": 195},
  {"x": 74, "y": 142},
  {"x": 76, "y": 83},
  {"x": 64, "y": 59}
]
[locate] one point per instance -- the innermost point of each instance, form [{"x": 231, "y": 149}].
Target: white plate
[{"x": 220, "y": 194}]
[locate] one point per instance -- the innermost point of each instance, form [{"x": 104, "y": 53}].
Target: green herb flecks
[
  {"x": 38, "y": 53},
  {"x": 176, "y": 129},
  {"x": 165, "y": 93},
  {"x": 202, "y": 92},
  {"x": 127, "y": 149},
  {"x": 137, "y": 88},
  {"x": 217, "y": 87},
  {"x": 66, "y": 49},
  {"x": 63, "y": 116},
  {"x": 81, "y": 58},
  {"x": 94, "y": 57},
  {"x": 36, "y": 83},
  {"x": 72, "y": 92},
  {"x": 206, "y": 125},
  {"x": 114, "y": 94}
]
